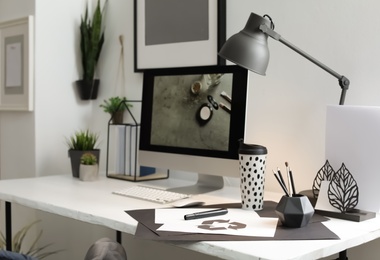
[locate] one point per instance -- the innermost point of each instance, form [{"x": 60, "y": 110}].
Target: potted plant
[
  {"x": 91, "y": 43},
  {"x": 35, "y": 250},
  {"x": 88, "y": 169},
  {"x": 115, "y": 106},
  {"x": 81, "y": 142}
]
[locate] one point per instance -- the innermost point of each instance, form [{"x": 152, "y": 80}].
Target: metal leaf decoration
[
  {"x": 326, "y": 173},
  {"x": 343, "y": 190}
]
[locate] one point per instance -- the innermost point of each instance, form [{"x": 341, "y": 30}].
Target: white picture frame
[
  {"x": 180, "y": 54},
  {"x": 17, "y": 64}
]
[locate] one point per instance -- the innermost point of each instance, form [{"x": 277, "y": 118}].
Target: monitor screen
[{"x": 193, "y": 117}]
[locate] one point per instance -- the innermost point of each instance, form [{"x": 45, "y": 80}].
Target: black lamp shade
[{"x": 249, "y": 47}]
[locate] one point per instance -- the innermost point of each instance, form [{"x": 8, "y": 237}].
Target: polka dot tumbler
[{"x": 252, "y": 162}]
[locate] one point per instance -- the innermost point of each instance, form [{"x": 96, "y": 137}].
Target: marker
[{"x": 206, "y": 214}]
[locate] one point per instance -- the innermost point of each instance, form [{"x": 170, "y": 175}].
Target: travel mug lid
[{"x": 252, "y": 149}]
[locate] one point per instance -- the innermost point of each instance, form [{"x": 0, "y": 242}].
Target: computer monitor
[{"x": 192, "y": 119}]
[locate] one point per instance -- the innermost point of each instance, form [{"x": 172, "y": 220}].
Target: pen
[{"x": 206, "y": 214}]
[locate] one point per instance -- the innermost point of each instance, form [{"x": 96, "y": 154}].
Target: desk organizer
[
  {"x": 125, "y": 146},
  {"x": 294, "y": 212}
]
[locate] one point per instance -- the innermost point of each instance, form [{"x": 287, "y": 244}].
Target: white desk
[{"x": 94, "y": 203}]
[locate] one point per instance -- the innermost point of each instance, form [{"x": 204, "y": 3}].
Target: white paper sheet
[
  {"x": 353, "y": 138},
  {"x": 13, "y": 64},
  {"x": 323, "y": 202},
  {"x": 235, "y": 222}
]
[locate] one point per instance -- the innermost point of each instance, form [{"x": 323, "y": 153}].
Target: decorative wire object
[
  {"x": 343, "y": 192},
  {"x": 326, "y": 173}
]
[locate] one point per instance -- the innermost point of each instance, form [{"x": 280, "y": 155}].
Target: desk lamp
[{"x": 249, "y": 49}]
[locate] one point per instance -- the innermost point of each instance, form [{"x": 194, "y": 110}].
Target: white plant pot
[{"x": 88, "y": 172}]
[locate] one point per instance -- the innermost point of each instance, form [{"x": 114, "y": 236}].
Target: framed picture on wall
[
  {"x": 16, "y": 64},
  {"x": 178, "y": 33}
]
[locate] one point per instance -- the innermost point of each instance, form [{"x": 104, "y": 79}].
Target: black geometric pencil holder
[{"x": 294, "y": 212}]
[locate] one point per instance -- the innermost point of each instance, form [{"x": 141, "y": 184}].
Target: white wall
[
  {"x": 59, "y": 111},
  {"x": 286, "y": 107},
  {"x": 12, "y": 124}
]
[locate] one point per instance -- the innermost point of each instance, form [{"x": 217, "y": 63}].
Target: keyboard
[{"x": 152, "y": 194}]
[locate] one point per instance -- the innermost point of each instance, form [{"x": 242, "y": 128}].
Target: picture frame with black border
[{"x": 178, "y": 41}]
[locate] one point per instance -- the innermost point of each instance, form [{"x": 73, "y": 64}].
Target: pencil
[
  {"x": 281, "y": 183},
  {"x": 289, "y": 181},
  {"x": 292, "y": 182},
  {"x": 280, "y": 175}
]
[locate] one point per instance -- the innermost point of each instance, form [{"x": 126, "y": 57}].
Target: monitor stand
[{"x": 205, "y": 183}]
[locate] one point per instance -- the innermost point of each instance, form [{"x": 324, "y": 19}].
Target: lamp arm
[{"x": 344, "y": 82}]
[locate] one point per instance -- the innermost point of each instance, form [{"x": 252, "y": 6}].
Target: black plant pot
[
  {"x": 117, "y": 117},
  {"x": 75, "y": 156},
  {"x": 88, "y": 89}
]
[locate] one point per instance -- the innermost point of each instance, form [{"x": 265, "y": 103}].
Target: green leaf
[
  {"x": 114, "y": 104},
  {"x": 88, "y": 159},
  {"x": 91, "y": 43},
  {"x": 33, "y": 251},
  {"x": 83, "y": 140}
]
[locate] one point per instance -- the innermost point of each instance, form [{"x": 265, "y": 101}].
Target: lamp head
[{"x": 249, "y": 47}]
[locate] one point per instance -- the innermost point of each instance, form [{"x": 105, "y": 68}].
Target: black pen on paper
[{"x": 206, "y": 214}]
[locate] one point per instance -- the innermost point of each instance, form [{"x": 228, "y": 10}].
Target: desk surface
[{"x": 93, "y": 202}]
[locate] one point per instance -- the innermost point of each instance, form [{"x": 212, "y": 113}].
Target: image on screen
[{"x": 177, "y": 106}]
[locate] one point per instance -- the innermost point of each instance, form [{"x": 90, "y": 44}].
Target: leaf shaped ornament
[
  {"x": 326, "y": 173},
  {"x": 343, "y": 192}
]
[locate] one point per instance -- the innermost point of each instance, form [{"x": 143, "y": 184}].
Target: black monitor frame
[{"x": 238, "y": 109}]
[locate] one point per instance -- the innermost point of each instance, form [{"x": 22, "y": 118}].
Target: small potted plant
[
  {"x": 88, "y": 169},
  {"x": 82, "y": 141},
  {"x": 116, "y": 106},
  {"x": 91, "y": 43}
]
